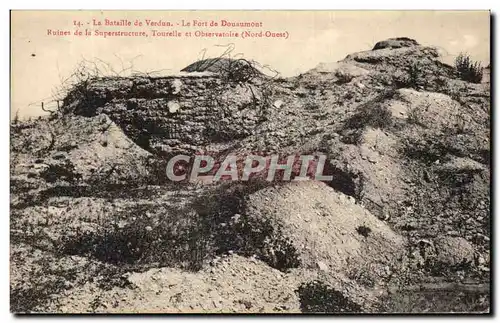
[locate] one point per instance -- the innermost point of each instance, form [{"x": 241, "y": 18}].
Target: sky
[{"x": 40, "y": 62}]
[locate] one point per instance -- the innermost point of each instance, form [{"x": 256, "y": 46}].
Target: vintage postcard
[{"x": 250, "y": 162}]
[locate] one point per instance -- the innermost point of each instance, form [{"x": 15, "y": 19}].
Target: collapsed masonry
[{"x": 176, "y": 114}]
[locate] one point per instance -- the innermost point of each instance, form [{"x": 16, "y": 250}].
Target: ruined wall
[{"x": 178, "y": 114}]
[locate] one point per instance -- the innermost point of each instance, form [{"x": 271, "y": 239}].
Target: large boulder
[{"x": 327, "y": 230}]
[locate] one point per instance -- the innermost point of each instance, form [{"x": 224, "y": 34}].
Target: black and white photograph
[{"x": 250, "y": 162}]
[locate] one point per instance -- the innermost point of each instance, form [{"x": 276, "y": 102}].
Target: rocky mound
[
  {"x": 326, "y": 228},
  {"x": 72, "y": 150},
  {"x": 232, "y": 285},
  {"x": 407, "y": 144}
]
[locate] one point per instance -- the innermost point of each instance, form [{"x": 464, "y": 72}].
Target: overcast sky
[{"x": 40, "y": 61}]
